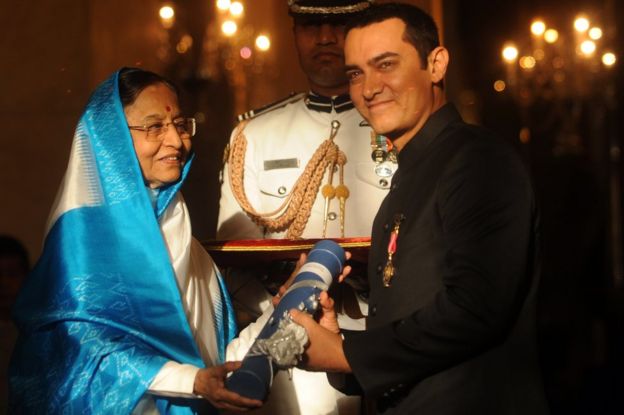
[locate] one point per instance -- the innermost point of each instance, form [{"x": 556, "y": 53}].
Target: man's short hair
[{"x": 420, "y": 29}]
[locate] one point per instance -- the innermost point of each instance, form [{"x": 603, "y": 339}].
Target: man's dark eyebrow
[
  {"x": 381, "y": 57},
  {"x": 372, "y": 61}
]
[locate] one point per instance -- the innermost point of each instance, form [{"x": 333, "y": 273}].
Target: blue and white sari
[{"x": 102, "y": 311}]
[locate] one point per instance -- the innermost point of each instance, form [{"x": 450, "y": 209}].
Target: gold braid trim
[
  {"x": 330, "y": 10},
  {"x": 294, "y": 212}
]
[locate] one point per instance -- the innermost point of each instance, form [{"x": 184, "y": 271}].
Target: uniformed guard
[
  {"x": 307, "y": 166},
  {"x": 312, "y": 167}
]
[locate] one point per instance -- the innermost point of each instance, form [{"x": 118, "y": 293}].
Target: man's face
[
  {"x": 386, "y": 81},
  {"x": 320, "y": 47}
]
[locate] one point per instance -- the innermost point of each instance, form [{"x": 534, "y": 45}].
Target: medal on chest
[
  {"x": 384, "y": 154},
  {"x": 388, "y": 272}
]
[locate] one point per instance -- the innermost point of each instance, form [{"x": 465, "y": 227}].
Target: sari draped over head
[{"x": 101, "y": 312}]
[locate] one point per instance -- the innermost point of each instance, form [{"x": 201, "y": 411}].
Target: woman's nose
[{"x": 172, "y": 137}]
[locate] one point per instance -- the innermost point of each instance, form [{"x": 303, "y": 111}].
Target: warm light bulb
[
  {"x": 551, "y": 36},
  {"x": 539, "y": 54},
  {"x": 229, "y": 27},
  {"x": 167, "y": 16},
  {"x": 185, "y": 43},
  {"x": 527, "y": 62},
  {"x": 245, "y": 52},
  {"x": 499, "y": 85},
  {"x": 588, "y": 47},
  {"x": 581, "y": 24},
  {"x": 538, "y": 27},
  {"x": 510, "y": 53},
  {"x": 263, "y": 43},
  {"x": 608, "y": 59},
  {"x": 166, "y": 12},
  {"x": 236, "y": 8},
  {"x": 223, "y": 5},
  {"x": 595, "y": 33}
]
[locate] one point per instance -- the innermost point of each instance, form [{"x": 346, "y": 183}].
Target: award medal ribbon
[
  {"x": 388, "y": 272},
  {"x": 384, "y": 154}
]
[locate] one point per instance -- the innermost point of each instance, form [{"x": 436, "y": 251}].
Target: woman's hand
[
  {"x": 284, "y": 287},
  {"x": 210, "y": 385}
]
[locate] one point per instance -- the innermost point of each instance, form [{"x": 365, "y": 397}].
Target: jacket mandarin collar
[
  {"x": 433, "y": 127},
  {"x": 322, "y": 103}
]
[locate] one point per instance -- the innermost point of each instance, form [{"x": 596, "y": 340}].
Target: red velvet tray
[{"x": 262, "y": 251}]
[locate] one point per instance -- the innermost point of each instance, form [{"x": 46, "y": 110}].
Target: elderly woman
[{"x": 124, "y": 311}]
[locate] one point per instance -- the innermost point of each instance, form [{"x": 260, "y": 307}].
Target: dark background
[
  {"x": 573, "y": 154},
  {"x": 56, "y": 51}
]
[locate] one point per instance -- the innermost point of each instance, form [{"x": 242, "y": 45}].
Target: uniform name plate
[{"x": 281, "y": 164}]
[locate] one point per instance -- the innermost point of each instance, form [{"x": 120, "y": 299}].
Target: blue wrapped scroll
[{"x": 281, "y": 342}]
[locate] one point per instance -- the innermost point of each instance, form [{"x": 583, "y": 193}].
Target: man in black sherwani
[{"x": 453, "y": 266}]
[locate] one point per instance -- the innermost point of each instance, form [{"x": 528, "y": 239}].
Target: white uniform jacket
[{"x": 279, "y": 145}]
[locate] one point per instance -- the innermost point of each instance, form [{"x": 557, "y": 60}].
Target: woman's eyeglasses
[{"x": 156, "y": 130}]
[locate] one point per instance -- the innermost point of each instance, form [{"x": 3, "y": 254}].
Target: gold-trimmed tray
[{"x": 262, "y": 251}]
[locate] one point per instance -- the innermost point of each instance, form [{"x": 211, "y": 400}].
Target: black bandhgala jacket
[{"x": 455, "y": 331}]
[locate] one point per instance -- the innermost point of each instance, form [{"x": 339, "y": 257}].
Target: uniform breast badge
[
  {"x": 384, "y": 154},
  {"x": 388, "y": 271}
]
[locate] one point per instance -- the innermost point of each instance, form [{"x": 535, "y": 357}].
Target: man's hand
[
  {"x": 210, "y": 384},
  {"x": 346, "y": 270},
  {"x": 302, "y": 259},
  {"x": 324, "y": 351},
  {"x": 327, "y": 313}
]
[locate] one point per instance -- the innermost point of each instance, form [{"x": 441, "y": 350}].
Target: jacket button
[
  {"x": 281, "y": 190},
  {"x": 372, "y": 311},
  {"x": 379, "y": 268},
  {"x": 386, "y": 227}
]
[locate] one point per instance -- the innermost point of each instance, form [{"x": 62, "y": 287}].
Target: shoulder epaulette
[{"x": 294, "y": 96}]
